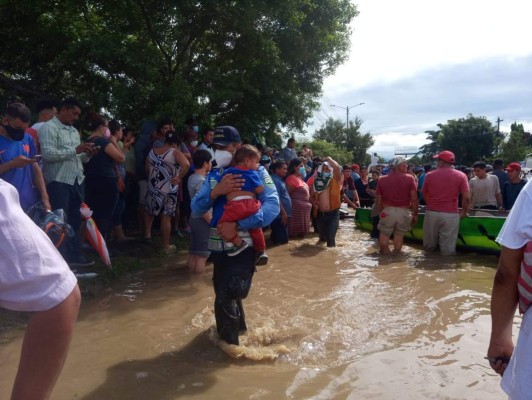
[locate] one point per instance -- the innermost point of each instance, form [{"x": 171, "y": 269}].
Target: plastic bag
[{"x": 53, "y": 223}]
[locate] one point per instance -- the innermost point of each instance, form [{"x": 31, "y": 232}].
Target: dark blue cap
[{"x": 225, "y": 135}]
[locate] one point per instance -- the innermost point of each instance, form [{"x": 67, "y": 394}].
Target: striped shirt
[
  {"x": 524, "y": 284},
  {"x": 58, "y": 146}
]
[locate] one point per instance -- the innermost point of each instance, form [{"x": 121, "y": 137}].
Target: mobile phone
[{"x": 37, "y": 157}]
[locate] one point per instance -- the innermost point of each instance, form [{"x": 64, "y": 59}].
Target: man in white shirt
[
  {"x": 35, "y": 278},
  {"x": 485, "y": 189},
  {"x": 512, "y": 287}
]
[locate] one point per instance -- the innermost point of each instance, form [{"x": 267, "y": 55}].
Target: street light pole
[{"x": 347, "y": 112}]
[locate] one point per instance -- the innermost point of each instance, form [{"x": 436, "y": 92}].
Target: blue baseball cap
[{"x": 225, "y": 135}]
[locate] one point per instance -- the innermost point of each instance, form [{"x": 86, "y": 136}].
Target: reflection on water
[{"x": 324, "y": 324}]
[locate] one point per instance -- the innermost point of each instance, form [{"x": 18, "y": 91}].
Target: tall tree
[
  {"x": 470, "y": 139},
  {"x": 258, "y": 64},
  {"x": 321, "y": 148},
  {"x": 350, "y": 139},
  {"x": 430, "y": 149},
  {"x": 515, "y": 148}
]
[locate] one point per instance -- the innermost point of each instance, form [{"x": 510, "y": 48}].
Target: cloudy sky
[{"x": 417, "y": 63}]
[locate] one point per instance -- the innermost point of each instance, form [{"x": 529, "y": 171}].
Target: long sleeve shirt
[
  {"x": 58, "y": 147},
  {"x": 269, "y": 199}
]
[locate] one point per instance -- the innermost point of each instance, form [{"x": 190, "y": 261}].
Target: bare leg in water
[{"x": 45, "y": 348}]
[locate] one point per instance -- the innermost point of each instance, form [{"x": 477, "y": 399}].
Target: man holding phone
[{"x": 18, "y": 159}]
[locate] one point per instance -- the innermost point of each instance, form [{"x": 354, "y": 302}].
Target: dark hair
[
  {"x": 479, "y": 164},
  {"x": 292, "y": 166},
  {"x": 127, "y": 130},
  {"x": 191, "y": 121},
  {"x": 344, "y": 167},
  {"x": 18, "y": 110},
  {"x": 69, "y": 102},
  {"x": 94, "y": 121},
  {"x": 376, "y": 171},
  {"x": 46, "y": 104},
  {"x": 246, "y": 151},
  {"x": 274, "y": 166},
  {"x": 173, "y": 138},
  {"x": 498, "y": 163},
  {"x": 200, "y": 157},
  {"x": 291, "y": 140},
  {"x": 162, "y": 122},
  {"x": 427, "y": 167},
  {"x": 114, "y": 126}
]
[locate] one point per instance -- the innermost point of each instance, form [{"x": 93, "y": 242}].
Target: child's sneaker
[
  {"x": 239, "y": 249},
  {"x": 262, "y": 259}
]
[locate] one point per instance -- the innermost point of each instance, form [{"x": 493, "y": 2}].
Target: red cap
[
  {"x": 515, "y": 166},
  {"x": 446, "y": 156},
  {"x": 355, "y": 167}
]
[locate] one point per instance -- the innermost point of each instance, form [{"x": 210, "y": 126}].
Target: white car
[{"x": 527, "y": 166}]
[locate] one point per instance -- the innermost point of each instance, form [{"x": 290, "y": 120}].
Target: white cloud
[
  {"x": 396, "y": 39},
  {"x": 417, "y": 63}
]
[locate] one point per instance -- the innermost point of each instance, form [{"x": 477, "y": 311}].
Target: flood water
[{"x": 339, "y": 323}]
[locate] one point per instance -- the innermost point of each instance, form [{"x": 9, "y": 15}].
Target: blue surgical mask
[
  {"x": 303, "y": 172},
  {"x": 326, "y": 174}
]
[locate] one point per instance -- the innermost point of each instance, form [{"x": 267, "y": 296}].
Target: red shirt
[
  {"x": 441, "y": 189},
  {"x": 395, "y": 189}
]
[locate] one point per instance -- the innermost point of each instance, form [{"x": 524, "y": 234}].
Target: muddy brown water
[{"x": 339, "y": 323}]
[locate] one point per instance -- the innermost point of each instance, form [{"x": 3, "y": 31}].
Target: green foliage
[
  {"x": 351, "y": 139},
  {"x": 323, "y": 149},
  {"x": 470, "y": 139},
  {"x": 257, "y": 65},
  {"x": 515, "y": 148},
  {"x": 429, "y": 150}
]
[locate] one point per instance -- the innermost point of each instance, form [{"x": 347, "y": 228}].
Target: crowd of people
[
  {"x": 132, "y": 182},
  {"x": 221, "y": 192}
]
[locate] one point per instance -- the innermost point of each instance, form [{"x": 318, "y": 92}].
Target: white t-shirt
[
  {"x": 33, "y": 274},
  {"x": 483, "y": 191},
  {"x": 515, "y": 233},
  {"x": 37, "y": 125}
]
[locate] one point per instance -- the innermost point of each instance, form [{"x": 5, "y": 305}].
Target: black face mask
[{"x": 14, "y": 133}]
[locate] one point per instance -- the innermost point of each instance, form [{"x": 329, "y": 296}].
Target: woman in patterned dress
[
  {"x": 166, "y": 166},
  {"x": 299, "y": 222}
]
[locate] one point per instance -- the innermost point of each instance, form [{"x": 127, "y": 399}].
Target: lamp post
[{"x": 347, "y": 112}]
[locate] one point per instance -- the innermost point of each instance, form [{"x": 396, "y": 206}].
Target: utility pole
[
  {"x": 499, "y": 125},
  {"x": 347, "y": 112}
]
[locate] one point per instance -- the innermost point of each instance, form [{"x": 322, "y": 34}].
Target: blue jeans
[
  {"x": 69, "y": 198},
  {"x": 328, "y": 223}
]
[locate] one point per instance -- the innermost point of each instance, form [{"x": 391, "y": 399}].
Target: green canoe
[{"x": 477, "y": 232}]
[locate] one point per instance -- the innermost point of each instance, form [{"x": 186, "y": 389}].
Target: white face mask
[
  {"x": 223, "y": 158},
  {"x": 194, "y": 143}
]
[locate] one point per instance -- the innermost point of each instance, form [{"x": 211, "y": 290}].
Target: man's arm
[
  {"x": 498, "y": 197},
  {"x": 337, "y": 173},
  {"x": 17, "y": 162},
  {"x": 48, "y": 136},
  {"x": 466, "y": 203},
  {"x": 38, "y": 182},
  {"x": 378, "y": 202},
  {"x": 504, "y": 299},
  {"x": 414, "y": 203},
  {"x": 204, "y": 199}
]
